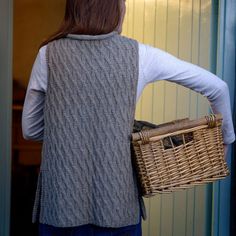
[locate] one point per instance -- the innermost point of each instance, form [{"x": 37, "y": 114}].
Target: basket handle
[
  {"x": 144, "y": 135},
  {"x": 211, "y": 120}
]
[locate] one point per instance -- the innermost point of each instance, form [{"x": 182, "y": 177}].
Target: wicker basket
[{"x": 179, "y": 154}]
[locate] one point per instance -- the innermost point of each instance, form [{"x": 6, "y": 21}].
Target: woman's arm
[
  {"x": 32, "y": 116},
  {"x": 160, "y": 65}
]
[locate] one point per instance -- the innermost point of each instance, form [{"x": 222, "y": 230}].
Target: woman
[{"x": 80, "y": 102}]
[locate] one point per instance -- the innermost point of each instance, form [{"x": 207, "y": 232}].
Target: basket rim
[{"x": 182, "y": 126}]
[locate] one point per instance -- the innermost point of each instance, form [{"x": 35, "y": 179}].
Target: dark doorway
[{"x": 33, "y": 22}]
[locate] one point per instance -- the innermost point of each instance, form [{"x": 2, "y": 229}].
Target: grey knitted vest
[{"x": 86, "y": 175}]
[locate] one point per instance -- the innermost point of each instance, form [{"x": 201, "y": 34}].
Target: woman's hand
[{"x": 226, "y": 146}]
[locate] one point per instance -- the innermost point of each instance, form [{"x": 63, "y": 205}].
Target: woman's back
[{"x": 88, "y": 118}]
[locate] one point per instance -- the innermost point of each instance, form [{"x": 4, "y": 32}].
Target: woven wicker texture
[{"x": 179, "y": 154}]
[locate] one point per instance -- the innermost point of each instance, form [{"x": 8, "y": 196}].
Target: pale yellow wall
[
  {"x": 182, "y": 28},
  {"x": 34, "y": 20}
]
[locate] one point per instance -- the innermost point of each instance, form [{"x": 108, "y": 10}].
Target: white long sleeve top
[{"x": 154, "y": 65}]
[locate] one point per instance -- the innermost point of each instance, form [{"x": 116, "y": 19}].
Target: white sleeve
[
  {"x": 32, "y": 115},
  {"x": 160, "y": 65}
]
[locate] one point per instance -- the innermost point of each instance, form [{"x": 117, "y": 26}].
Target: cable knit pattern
[{"x": 86, "y": 174}]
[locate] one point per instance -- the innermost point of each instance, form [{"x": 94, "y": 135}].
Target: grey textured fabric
[{"x": 86, "y": 175}]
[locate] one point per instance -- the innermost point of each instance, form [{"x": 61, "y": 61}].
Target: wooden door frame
[{"x": 6, "y": 28}]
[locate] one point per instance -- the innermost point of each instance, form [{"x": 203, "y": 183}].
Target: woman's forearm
[{"x": 32, "y": 116}]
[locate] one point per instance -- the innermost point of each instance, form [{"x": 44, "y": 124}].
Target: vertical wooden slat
[
  {"x": 213, "y": 68},
  {"x": 168, "y": 201},
  {"x": 190, "y": 201},
  {"x": 172, "y": 47},
  {"x": 138, "y": 26},
  {"x": 130, "y": 18},
  {"x": 185, "y": 26},
  {"x": 204, "y": 49},
  {"x": 204, "y": 61},
  {"x": 189, "y": 225},
  {"x": 148, "y": 96},
  {"x": 160, "y": 42},
  {"x": 158, "y": 107},
  {"x": 149, "y": 32},
  {"x": 194, "y": 53},
  {"x": 126, "y": 19},
  {"x": 155, "y": 215},
  {"x": 184, "y": 52}
]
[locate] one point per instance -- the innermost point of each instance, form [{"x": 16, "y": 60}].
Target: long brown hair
[{"x": 92, "y": 17}]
